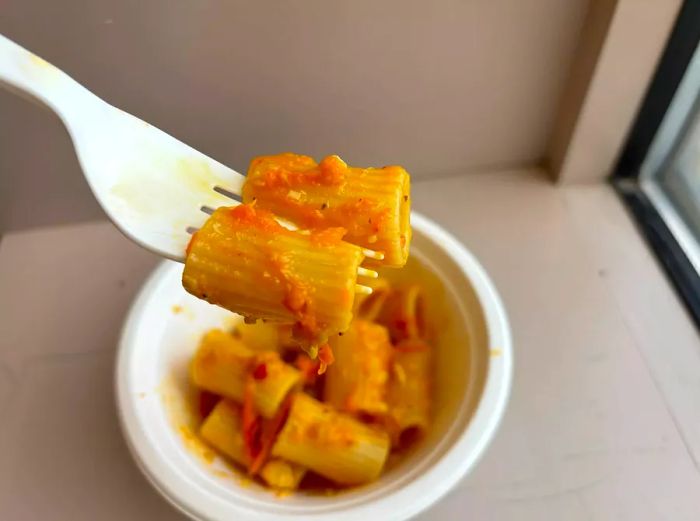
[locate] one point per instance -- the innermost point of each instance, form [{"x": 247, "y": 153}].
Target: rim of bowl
[{"x": 417, "y": 495}]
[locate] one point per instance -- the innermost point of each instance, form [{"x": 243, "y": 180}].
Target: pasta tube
[
  {"x": 223, "y": 430},
  {"x": 333, "y": 444},
  {"x": 403, "y": 313},
  {"x": 222, "y": 364},
  {"x": 282, "y": 475},
  {"x": 373, "y": 204},
  {"x": 408, "y": 393},
  {"x": 261, "y": 336},
  {"x": 356, "y": 382},
  {"x": 244, "y": 261}
]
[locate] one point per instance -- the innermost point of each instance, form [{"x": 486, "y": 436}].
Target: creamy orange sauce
[
  {"x": 328, "y": 237},
  {"x": 289, "y": 173},
  {"x": 325, "y": 358},
  {"x": 284, "y": 180},
  {"x": 255, "y": 218},
  {"x": 297, "y": 299}
]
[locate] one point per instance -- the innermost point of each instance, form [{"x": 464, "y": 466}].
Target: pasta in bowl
[
  {"x": 279, "y": 416},
  {"x": 471, "y": 373}
]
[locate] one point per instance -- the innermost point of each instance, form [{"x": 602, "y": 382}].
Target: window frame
[{"x": 663, "y": 114}]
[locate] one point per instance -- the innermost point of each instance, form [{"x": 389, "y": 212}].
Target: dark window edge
[
  {"x": 670, "y": 70},
  {"x": 678, "y": 268}
]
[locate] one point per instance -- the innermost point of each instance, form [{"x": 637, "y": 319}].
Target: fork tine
[
  {"x": 364, "y": 272},
  {"x": 376, "y": 255},
  {"x": 227, "y": 193},
  {"x": 363, "y": 290}
]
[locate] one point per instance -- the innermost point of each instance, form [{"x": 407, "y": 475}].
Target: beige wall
[
  {"x": 616, "y": 60},
  {"x": 594, "y": 34},
  {"x": 443, "y": 87}
]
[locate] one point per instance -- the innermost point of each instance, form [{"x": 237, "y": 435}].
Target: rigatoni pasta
[
  {"x": 283, "y": 420},
  {"x": 262, "y": 336},
  {"x": 357, "y": 381},
  {"x": 223, "y": 364},
  {"x": 282, "y": 474},
  {"x": 403, "y": 313},
  {"x": 408, "y": 395},
  {"x": 243, "y": 260},
  {"x": 372, "y": 204},
  {"x": 223, "y": 430},
  {"x": 332, "y": 444},
  {"x": 264, "y": 404}
]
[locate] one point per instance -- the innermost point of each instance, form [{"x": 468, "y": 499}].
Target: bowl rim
[{"x": 417, "y": 495}]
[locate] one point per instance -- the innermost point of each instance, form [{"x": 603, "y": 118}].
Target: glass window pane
[{"x": 680, "y": 178}]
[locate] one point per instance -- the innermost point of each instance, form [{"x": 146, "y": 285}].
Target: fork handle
[{"x": 32, "y": 77}]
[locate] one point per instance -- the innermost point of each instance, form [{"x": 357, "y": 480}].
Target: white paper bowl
[{"x": 473, "y": 377}]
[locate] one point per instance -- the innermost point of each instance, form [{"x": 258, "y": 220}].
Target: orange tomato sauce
[{"x": 286, "y": 181}]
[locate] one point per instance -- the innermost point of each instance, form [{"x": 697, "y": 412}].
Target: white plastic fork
[{"x": 155, "y": 189}]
